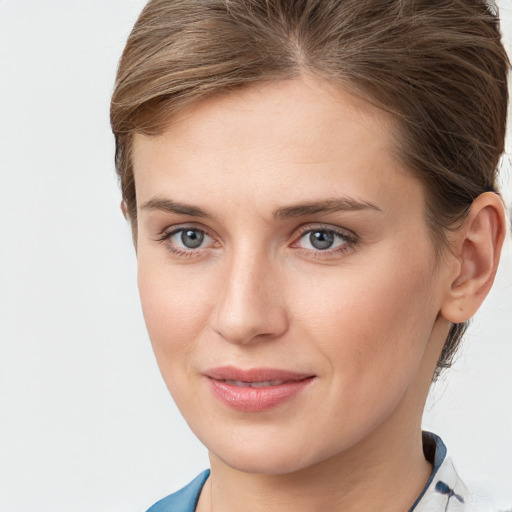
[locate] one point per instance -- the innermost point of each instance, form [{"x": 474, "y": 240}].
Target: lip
[{"x": 257, "y": 389}]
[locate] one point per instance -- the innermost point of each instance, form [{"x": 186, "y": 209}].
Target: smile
[
  {"x": 255, "y": 390},
  {"x": 263, "y": 384}
]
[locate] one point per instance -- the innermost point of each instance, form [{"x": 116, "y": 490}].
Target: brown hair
[{"x": 438, "y": 66}]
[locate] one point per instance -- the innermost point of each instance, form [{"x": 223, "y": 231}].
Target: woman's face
[{"x": 286, "y": 273}]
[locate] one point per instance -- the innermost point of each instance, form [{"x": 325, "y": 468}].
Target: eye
[
  {"x": 327, "y": 240},
  {"x": 185, "y": 240}
]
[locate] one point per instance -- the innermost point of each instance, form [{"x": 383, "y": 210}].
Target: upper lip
[{"x": 255, "y": 374}]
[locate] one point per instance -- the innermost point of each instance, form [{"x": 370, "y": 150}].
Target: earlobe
[{"x": 477, "y": 247}]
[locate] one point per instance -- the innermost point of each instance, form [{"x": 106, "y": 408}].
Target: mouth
[
  {"x": 262, "y": 384},
  {"x": 256, "y": 390}
]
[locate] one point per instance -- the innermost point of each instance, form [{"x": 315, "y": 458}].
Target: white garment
[{"x": 445, "y": 491}]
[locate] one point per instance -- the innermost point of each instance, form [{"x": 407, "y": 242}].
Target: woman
[{"x": 311, "y": 187}]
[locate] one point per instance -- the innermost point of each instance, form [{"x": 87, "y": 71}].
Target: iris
[
  {"x": 192, "y": 238},
  {"x": 321, "y": 239}
]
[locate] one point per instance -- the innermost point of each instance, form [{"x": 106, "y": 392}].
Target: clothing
[
  {"x": 185, "y": 500},
  {"x": 444, "y": 491}
]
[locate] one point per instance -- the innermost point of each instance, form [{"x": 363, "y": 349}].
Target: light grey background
[{"x": 86, "y": 423}]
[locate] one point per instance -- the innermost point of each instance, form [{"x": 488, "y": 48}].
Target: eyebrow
[
  {"x": 167, "y": 205},
  {"x": 285, "y": 212},
  {"x": 327, "y": 206}
]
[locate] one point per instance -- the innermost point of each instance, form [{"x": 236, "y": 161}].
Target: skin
[{"x": 368, "y": 317}]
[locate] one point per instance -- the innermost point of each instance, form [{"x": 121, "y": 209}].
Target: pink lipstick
[{"x": 257, "y": 389}]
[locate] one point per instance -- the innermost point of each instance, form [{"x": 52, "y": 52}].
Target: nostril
[
  {"x": 250, "y": 304},
  {"x": 247, "y": 325}
]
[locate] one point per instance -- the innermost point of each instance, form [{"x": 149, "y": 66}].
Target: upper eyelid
[
  {"x": 297, "y": 233},
  {"x": 165, "y": 239},
  {"x": 307, "y": 228},
  {"x": 172, "y": 230},
  {"x": 350, "y": 241}
]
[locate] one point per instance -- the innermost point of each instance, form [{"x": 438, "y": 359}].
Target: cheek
[
  {"x": 372, "y": 321},
  {"x": 175, "y": 308}
]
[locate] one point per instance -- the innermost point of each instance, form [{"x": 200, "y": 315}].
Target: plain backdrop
[{"x": 86, "y": 423}]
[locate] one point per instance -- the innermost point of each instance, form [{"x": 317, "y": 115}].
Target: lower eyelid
[
  {"x": 180, "y": 251},
  {"x": 347, "y": 242}
]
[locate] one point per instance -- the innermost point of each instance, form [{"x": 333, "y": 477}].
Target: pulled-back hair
[{"x": 437, "y": 66}]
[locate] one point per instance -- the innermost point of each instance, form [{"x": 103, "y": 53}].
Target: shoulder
[
  {"x": 445, "y": 491},
  {"x": 185, "y": 500}
]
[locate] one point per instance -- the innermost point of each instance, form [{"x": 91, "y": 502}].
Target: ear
[
  {"x": 477, "y": 250},
  {"x": 124, "y": 209}
]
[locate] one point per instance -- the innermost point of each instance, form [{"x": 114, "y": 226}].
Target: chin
[
  {"x": 264, "y": 463},
  {"x": 269, "y": 455}
]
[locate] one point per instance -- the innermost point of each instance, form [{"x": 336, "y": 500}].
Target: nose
[{"x": 251, "y": 301}]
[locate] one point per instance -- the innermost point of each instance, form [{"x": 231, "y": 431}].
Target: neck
[{"x": 347, "y": 482}]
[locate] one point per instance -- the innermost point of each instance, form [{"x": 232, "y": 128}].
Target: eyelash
[
  {"x": 349, "y": 241},
  {"x": 182, "y": 253}
]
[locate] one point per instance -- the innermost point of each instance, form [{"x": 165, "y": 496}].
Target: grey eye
[
  {"x": 321, "y": 240},
  {"x": 192, "y": 238}
]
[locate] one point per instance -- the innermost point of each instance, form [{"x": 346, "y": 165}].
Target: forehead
[
  {"x": 285, "y": 135},
  {"x": 315, "y": 104}
]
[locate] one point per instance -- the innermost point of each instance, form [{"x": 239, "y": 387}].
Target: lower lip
[{"x": 249, "y": 399}]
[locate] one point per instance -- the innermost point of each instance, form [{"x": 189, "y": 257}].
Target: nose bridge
[{"x": 250, "y": 302}]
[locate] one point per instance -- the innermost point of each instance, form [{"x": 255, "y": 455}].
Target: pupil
[
  {"x": 321, "y": 239},
  {"x": 192, "y": 239}
]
